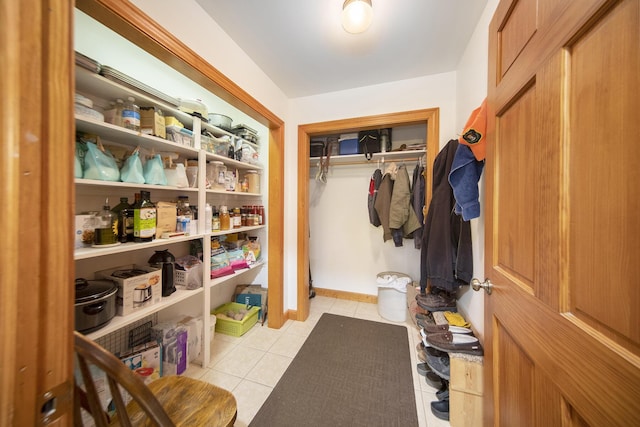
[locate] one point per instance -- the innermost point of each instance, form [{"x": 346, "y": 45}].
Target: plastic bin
[
  {"x": 232, "y": 327},
  {"x": 392, "y": 296}
]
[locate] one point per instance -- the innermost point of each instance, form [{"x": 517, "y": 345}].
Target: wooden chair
[{"x": 168, "y": 401}]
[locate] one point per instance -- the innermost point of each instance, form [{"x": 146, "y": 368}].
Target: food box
[
  {"x": 138, "y": 287},
  {"x": 236, "y": 328},
  {"x": 152, "y": 122},
  {"x": 174, "y": 339},
  {"x": 145, "y": 360},
  {"x": 84, "y": 230}
]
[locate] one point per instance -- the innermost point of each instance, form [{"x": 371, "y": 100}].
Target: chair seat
[{"x": 182, "y": 397}]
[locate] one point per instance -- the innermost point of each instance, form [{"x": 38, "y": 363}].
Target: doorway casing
[{"x": 429, "y": 117}]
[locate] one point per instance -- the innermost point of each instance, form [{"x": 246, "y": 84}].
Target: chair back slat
[{"x": 118, "y": 375}]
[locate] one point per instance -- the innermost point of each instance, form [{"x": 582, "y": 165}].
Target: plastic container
[
  {"x": 232, "y": 327},
  {"x": 216, "y": 172},
  {"x": 392, "y": 298},
  {"x": 348, "y": 144}
]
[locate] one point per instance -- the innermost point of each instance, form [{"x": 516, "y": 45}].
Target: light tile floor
[{"x": 251, "y": 365}]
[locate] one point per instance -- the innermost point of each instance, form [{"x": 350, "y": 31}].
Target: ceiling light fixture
[{"x": 356, "y": 15}]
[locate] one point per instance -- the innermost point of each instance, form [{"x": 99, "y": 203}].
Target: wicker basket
[{"x": 232, "y": 327}]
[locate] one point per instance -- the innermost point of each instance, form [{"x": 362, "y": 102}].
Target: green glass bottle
[{"x": 144, "y": 219}]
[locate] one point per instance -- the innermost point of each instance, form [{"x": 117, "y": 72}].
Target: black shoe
[
  {"x": 443, "y": 393},
  {"x": 440, "y": 409},
  {"x": 434, "y": 380},
  {"x": 423, "y": 368}
]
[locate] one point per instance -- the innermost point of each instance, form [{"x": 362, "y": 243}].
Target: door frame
[{"x": 429, "y": 117}]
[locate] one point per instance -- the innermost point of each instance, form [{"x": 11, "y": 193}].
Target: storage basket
[
  {"x": 232, "y": 327},
  {"x": 191, "y": 278}
]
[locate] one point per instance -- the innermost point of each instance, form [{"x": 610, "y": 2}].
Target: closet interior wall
[{"x": 346, "y": 252}]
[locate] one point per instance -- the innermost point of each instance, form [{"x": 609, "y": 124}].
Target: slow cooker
[{"x": 95, "y": 304}]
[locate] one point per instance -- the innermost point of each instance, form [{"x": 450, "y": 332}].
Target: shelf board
[
  {"x": 90, "y": 252},
  {"x": 232, "y": 162},
  {"x": 220, "y": 280},
  {"x": 121, "y": 135},
  {"x": 237, "y": 230},
  {"x": 110, "y": 184},
  {"x": 353, "y": 159},
  {"x": 119, "y": 322},
  {"x": 233, "y": 193}
]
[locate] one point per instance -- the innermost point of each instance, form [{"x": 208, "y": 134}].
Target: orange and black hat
[{"x": 474, "y": 131}]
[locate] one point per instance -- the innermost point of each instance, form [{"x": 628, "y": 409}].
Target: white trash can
[{"x": 392, "y": 295}]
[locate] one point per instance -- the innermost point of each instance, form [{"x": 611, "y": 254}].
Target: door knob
[{"x": 486, "y": 285}]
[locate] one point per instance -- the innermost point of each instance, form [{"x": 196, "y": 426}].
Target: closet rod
[{"x": 371, "y": 162}]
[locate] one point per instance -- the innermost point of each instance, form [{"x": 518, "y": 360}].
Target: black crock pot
[{"x": 95, "y": 304}]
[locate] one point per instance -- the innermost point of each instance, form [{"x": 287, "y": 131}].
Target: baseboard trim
[{"x": 351, "y": 296}]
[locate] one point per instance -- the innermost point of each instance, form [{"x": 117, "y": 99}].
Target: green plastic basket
[{"x": 232, "y": 327}]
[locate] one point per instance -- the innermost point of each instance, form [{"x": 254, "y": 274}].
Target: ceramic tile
[
  {"x": 221, "y": 379},
  {"x": 344, "y": 307},
  {"x": 249, "y": 397},
  {"x": 261, "y": 338},
  {"x": 221, "y": 348},
  {"x": 238, "y": 362},
  {"x": 302, "y": 329},
  {"x": 288, "y": 345},
  {"x": 269, "y": 369}
]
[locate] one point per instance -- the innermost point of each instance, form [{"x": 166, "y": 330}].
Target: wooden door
[
  {"x": 36, "y": 247},
  {"x": 562, "y": 337}
]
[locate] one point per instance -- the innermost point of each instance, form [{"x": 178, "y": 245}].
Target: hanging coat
[
  {"x": 446, "y": 257},
  {"x": 402, "y": 218}
]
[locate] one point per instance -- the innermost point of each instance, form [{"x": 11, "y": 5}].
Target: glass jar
[
  {"x": 106, "y": 232},
  {"x": 237, "y": 218},
  {"x": 216, "y": 174},
  {"x": 131, "y": 115},
  {"x": 184, "y": 215},
  {"x": 215, "y": 219},
  {"x": 225, "y": 219}
]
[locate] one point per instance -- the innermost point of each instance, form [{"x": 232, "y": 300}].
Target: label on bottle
[
  {"x": 131, "y": 119},
  {"x": 144, "y": 223}
]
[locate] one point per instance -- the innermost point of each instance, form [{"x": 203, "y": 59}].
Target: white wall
[
  {"x": 471, "y": 86},
  {"x": 193, "y": 26}
]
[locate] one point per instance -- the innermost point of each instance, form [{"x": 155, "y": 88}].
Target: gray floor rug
[{"x": 349, "y": 372}]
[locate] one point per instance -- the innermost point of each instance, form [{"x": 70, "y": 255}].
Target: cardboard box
[
  {"x": 145, "y": 360},
  {"x": 136, "y": 292},
  {"x": 174, "y": 339},
  {"x": 151, "y": 122},
  {"x": 84, "y": 229}
]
